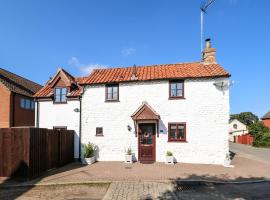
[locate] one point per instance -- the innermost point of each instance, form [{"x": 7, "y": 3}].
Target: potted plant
[
  {"x": 128, "y": 156},
  {"x": 227, "y": 162},
  {"x": 89, "y": 154},
  {"x": 169, "y": 158}
]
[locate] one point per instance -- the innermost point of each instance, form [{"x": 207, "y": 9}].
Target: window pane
[
  {"x": 181, "y": 132},
  {"x": 64, "y": 91},
  {"x": 32, "y": 105},
  {"x": 172, "y": 131},
  {"x": 173, "y": 93},
  {"x": 63, "y": 98},
  {"x": 27, "y": 104},
  {"x": 57, "y": 91},
  {"x": 173, "y": 86},
  {"x": 179, "y": 93},
  {"x": 22, "y": 103},
  {"x": 57, "y": 98},
  {"x": 179, "y": 85}
]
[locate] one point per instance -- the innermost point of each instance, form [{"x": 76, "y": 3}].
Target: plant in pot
[
  {"x": 169, "y": 158},
  {"x": 89, "y": 153},
  {"x": 128, "y": 156}
]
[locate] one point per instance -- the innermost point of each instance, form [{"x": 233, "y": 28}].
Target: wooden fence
[
  {"x": 27, "y": 152},
  {"x": 244, "y": 139}
]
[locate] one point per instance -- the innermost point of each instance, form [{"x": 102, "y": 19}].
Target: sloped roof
[
  {"x": 266, "y": 116},
  {"x": 47, "y": 90},
  {"x": 18, "y": 84},
  {"x": 156, "y": 72},
  {"x": 145, "y": 112}
]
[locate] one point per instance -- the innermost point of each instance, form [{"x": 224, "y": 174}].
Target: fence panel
[{"x": 27, "y": 152}]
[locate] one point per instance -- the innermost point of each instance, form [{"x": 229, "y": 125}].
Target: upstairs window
[
  {"x": 177, "y": 132},
  {"x": 60, "y": 95},
  {"x": 112, "y": 93},
  {"x": 99, "y": 131},
  {"x": 27, "y": 104},
  {"x": 176, "y": 89}
]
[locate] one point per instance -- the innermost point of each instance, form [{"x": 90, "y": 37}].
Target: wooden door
[{"x": 147, "y": 143}]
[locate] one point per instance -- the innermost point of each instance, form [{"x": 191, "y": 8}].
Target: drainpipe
[
  {"x": 37, "y": 114},
  {"x": 80, "y": 128}
]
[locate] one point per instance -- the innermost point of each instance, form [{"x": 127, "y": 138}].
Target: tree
[
  {"x": 261, "y": 134},
  {"x": 247, "y": 118}
]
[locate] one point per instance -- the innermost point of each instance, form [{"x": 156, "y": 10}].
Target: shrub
[
  {"x": 89, "y": 150},
  {"x": 169, "y": 153},
  {"x": 129, "y": 151},
  {"x": 261, "y": 134}
]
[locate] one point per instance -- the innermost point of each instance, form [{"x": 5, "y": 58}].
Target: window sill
[
  {"x": 111, "y": 101},
  {"x": 177, "y": 141},
  {"x": 60, "y": 102},
  {"x": 176, "y": 98},
  {"x": 99, "y": 135}
]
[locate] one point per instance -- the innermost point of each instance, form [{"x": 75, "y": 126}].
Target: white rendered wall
[
  {"x": 51, "y": 115},
  {"x": 240, "y": 130},
  {"x": 205, "y": 110}
]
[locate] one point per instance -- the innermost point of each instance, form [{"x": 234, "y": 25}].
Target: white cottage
[{"x": 182, "y": 108}]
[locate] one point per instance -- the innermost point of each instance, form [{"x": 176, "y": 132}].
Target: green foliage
[
  {"x": 247, "y": 118},
  {"x": 129, "y": 151},
  {"x": 169, "y": 153},
  {"x": 89, "y": 150},
  {"x": 261, "y": 134}
]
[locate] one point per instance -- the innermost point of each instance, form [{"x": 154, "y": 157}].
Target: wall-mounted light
[
  {"x": 76, "y": 110},
  {"x": 129, "y": 128}
]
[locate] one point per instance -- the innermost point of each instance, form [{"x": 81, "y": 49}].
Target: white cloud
[
  {"x": 85, "y": 69},
  {"x": 128, "y": 51}
]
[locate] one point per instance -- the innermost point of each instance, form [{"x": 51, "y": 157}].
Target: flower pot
[
  {"x": 128, "y": 159},
  {"x": 88, "y": 161},
  {"x": 169, "y": 160}
]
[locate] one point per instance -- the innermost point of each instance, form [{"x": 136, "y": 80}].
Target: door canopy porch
[{"x": 145, "y": 112}]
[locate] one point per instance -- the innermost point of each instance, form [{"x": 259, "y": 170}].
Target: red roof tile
[{"x": 156, "y": 72}]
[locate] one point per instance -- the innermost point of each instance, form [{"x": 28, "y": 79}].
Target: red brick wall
[
  {"x": 266, "y": 122},
  {"x": 4, "y": 107},
  {"x": 22, "y": 117}
]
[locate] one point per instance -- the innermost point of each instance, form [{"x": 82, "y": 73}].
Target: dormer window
[{"x": 60, "y": 95}]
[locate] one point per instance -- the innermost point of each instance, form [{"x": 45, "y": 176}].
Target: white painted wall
[
  {"x": 240, "y": 130},
  {"x": 51, "y": 115},
  {"x": 205, "y": 109}
]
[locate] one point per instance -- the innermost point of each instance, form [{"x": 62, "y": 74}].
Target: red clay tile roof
[
  {"x": 18, "y": 84},
  {"x": 76, "y": 89},
  {"x": 156, "y": 72}
]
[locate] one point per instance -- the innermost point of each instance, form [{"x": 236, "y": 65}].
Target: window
[
  {"x": 235, "y": 126},
  {"x": 176, "y": 89},
  {"x": 99, "y": 131},
  {"x": 60, "y": 95},
  {"x": 112, "y": 92},
  {"x": 27, "y": 104},
  {"x": 177, "y": 132}
]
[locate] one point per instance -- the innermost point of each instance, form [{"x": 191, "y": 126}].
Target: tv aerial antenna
[{"x": 203, "y": 8}]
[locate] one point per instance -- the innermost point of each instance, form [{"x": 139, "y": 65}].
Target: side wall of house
[
  {"x": 4, "y": 107},
  {"x": 205, "y": 110},
  {"x": 22, "y": 116},
  {"x": 51, "y": 115},
  {"x": 241, "y": 129}
]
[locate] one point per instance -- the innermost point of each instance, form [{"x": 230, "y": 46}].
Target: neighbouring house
[
  {"x": 182, "y": 108},
  {"x": 17, "y": 107},
  {"x": 236, "y": 128},
  {"x": 266, "y": 119}
]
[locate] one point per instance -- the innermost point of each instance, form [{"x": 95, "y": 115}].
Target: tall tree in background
[{"x": 247, "y": 118}]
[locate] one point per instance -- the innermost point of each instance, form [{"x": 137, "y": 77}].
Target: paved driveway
[{"x": 259, "y": 154}]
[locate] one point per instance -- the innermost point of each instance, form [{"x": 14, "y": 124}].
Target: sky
[{"x": 38, "y": 37}]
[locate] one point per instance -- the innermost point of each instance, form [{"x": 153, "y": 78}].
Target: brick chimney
[{"x": 209, "y": 53}]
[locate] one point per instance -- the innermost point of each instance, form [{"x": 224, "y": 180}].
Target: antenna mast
[{"x": 203, "y": 9}]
